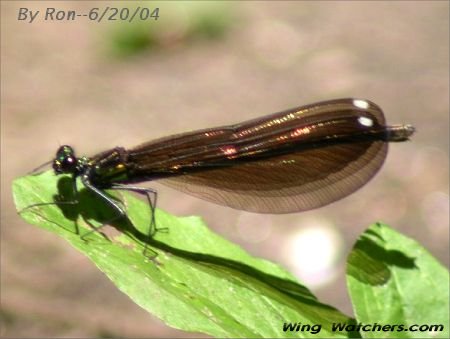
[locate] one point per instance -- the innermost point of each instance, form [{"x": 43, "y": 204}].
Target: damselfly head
[{"x": 65, "y": 160}]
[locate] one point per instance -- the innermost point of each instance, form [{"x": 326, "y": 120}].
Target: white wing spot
[
  {"x": 365, "y": 121},
  {"x": 361, "y": 103}
]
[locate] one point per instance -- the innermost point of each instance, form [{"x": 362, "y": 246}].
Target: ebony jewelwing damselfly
[{"x": 290, "y": 161}]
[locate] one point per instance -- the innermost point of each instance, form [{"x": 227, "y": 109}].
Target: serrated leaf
[{"x": 197, "y": 282}]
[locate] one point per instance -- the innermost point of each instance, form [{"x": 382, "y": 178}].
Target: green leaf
[
  {"x": 177, "y": 23},
  {"x": 393, "y": 280},
  {"x": 197, "y": 282}
]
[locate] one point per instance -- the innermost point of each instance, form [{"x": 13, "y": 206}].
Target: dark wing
[
  {"x": 288, "y": 183},
  {"x": 290, "y": 161}
]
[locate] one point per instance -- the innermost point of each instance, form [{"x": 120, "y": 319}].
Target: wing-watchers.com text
[{"x": 375, "y": 327}]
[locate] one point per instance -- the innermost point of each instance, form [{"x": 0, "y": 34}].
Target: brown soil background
[{"x": 58, "y": 86}]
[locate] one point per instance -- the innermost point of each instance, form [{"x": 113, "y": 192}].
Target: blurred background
[{"x": 203, "y": 64}]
